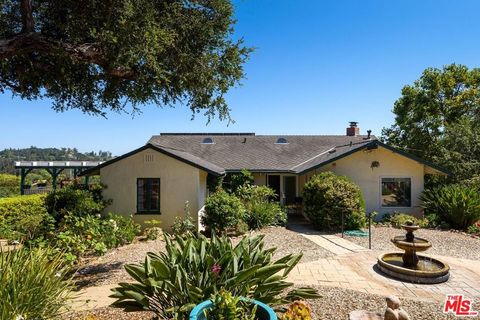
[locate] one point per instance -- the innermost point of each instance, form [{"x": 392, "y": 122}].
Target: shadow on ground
[{"x": 92, "y": 275}]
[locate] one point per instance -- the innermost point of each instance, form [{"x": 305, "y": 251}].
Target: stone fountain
[{"x": 409, "y": 266}]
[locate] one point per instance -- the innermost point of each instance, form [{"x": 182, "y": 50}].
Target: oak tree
[
  {"x": 100, "y": 55},
  {"x": 438, "y": 119}
]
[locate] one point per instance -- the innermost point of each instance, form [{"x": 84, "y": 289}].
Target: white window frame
[{"x": 395, "y": 177}]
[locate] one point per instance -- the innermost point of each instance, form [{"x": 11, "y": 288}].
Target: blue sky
[{"x": 317, "y": 65}]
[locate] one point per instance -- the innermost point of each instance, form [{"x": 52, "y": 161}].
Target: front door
[
  {"x": 290, "y": 189},
  {"x": 273, "y": 182}
]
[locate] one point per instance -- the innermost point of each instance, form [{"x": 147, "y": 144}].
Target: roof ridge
[{"x": 308, "y": 160}]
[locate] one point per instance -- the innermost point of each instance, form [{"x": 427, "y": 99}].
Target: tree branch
[
  {"x": 33, "y": 42},
  {"x": 27, "y": 16}
]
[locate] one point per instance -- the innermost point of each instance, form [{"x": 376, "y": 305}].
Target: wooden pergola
[{"x": 54, "y": 168}]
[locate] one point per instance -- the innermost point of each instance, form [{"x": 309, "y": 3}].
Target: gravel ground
[
  {"x": 335, "y": 304},
  {"x": 445, "y": 243},
  {"x": 288, "y": 242},
  {"x": 108, "y": 269}
]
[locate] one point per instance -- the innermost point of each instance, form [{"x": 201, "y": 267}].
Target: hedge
[
  {"x": 9, "y": 185},
  {"x": 22, "y": 216}
]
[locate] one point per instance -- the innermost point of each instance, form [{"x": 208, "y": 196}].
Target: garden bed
[
  {"x": 444, "y": 243},
  {"x": 336, "y": 303}
]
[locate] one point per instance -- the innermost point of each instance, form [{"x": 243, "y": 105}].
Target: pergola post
[
  {"x": 54, "y": 172},
  {"x": 23, "y": 175}
]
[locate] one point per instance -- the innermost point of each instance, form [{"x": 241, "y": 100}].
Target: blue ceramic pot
[{"x": 264, "y": 312}]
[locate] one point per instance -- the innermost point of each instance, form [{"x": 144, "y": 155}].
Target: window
[
  {"x": 148, "y": 195},
  {"x": 396, "y": 192}
]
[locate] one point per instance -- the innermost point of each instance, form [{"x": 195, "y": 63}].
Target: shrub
[
  {"x": 474, "y": 228},
  {"x": 72, "y": 200},
  {"x": 9, "y": 185},
  {"x": 192, "y": 269},
  {"x": 22, "y": 217},
  {"x": 184, "y": 225},
  {"x": 327, "y": 196},
  {"x": 34, "y": 285},
  {"x": 260, "y": 210},
  {"x": 91, "y": 234},
  {"x": 233, "y": 181},
  {"x": 398, "y": 219},
  {"x": 455, "y": 204},
  {"x": 152, "y": 231},
  {"x": 223, "y": 212}
]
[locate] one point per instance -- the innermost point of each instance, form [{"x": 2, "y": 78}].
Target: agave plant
[
  {"x": 194, "y": 268},
  {"x": 456, "y": 204}
]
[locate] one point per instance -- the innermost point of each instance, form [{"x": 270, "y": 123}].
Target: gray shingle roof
[{"x": 261, "y": 152}]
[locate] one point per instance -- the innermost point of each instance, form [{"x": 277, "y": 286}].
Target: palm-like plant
[
  {"x": 193, "y": 268},
  {"x": 456, "y": 204}
]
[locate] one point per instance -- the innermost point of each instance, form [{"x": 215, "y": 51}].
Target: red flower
[{"x": 216, "y": 268}]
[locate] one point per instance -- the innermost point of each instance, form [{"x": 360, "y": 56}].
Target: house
[{"x": 155, "y": 181}]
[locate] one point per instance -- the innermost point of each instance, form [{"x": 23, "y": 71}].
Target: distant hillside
[{"x": 9, "y": 156}]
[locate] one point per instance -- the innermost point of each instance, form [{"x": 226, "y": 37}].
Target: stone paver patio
[{"x": 353, "y": 267}]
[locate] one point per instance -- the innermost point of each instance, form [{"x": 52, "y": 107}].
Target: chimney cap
[{"x": 353, "y": 124}]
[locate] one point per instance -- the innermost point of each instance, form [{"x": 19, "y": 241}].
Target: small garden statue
[{"x": 393, "y": 311}]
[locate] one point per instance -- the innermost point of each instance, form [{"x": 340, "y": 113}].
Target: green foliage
[
  {"x": 74, "y": 201},
  {"x": 152, "y": 230},
  {"x": 214, "y": 182},
  {"x": 398, "y": 219},
  {"x": 223, "y": 212},
  {"x": 78, "y": 236},
  {"x": 22, "y": 217},
  {"x": 327, "y": 196},
  {"x": 192, "y": 269},
  {"x": 474, "y": 229},
  {"x": 455, "y": 204},
  {"x": 135, "y": 51},
  {"x": 260, "y": 210},
  {"x": 184, "y": 225},
  {"x": 227, "y": 307},
  {"x": 437, "y": 119},
  {"x": 34, "y": 285},
  {"x": 234, "y": 181},
  {"x": 9, "y": 185}
]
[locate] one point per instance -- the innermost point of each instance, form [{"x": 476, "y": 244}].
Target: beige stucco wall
[
  {"x": 358, "y": 168},
  {"x": 179, "y": 182}
]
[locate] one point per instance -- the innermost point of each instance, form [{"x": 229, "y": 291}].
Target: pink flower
[{"x": 216, "y": 268}]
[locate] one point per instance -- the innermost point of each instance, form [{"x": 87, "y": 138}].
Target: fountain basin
[
  {"x": 427, "y": 271},
  {"x": 418, "y": 244}
]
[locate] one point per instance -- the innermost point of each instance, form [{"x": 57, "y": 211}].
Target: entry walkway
[{"x": 332, "y": 243}]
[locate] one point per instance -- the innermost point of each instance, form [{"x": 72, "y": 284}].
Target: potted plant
[{"x": 225, "y": 306}]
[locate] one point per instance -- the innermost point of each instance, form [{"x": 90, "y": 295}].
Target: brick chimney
[{"x": 353, "y": 130}]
